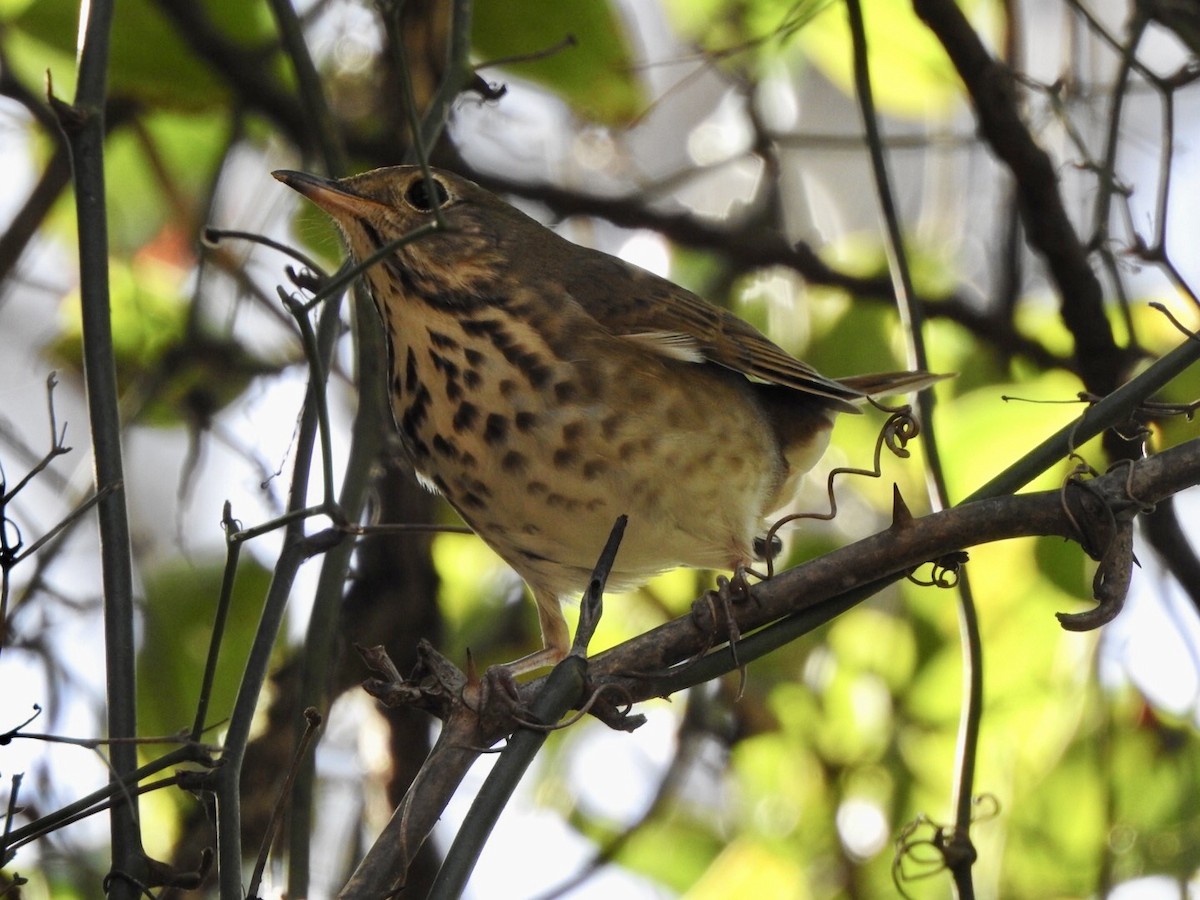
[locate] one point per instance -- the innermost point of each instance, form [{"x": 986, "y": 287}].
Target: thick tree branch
[{"x": 993, "y": 91}]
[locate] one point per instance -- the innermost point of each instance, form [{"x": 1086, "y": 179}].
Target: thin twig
[{"x": 312, "y": 724}]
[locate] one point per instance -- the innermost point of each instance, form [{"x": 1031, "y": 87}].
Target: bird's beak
[{"x": 328, "y": 194}]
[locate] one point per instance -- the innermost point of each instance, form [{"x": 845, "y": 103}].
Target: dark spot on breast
[
  {"x": 534, "y": 488},
  {"x": 495, "y": 429},
  {"x": 561, "y": 502},
  {"x": 442, "y": 364},
  {"x": 572, "y": 432},
  {"x": 465, "y": 417},
  {"x": 473, "y": 357},
  {"x": 372, "y": 234},
  {"x": 475, "y": 486},
  {"x": 525, "y": 421},
  {"x": 594, "y": 468},
  {"x": 468, "y": 460},
  {"x": 443, "y": 447},
  {"x": 472, "y": 500},
  {"x": 454, "y": 390},
  {"x": 565, "y": 391},
  {"x": 440, "y": 483},
  {"x": 481, "y": 327},
  {"x": 625, "y": 450},
  {"x": 564, "y": 457},
  {"x": 528, "y": 363},
  {"x": 595, "y": 504},
  {"x": 537, "y": 372},
  {"x": 472, "y": 378},
  {"x": 508, "y": 387},
  {"x": 443, "y": 341},
  {"x": 533, "y": 557},
  {"x": 530, "y": 528},
  {"x": 676, "y": 417},
  {"x": 513, "y": 462},
  {"x": 410, "y": 371},
  {"x": 416, "y": 412},
  {"x": 499, "y": 337},
  {"x": 412, "y": 440},
  {"x": 609, "y": 425}
]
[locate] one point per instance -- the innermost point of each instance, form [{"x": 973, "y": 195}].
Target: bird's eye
[{"x": 417, "y": 195}]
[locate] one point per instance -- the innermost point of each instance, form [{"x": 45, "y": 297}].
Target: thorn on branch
[
  {"x": 71, "y": 118},
  {"x": 902, "y": 516},
  {"x": 901, "y": 427}
]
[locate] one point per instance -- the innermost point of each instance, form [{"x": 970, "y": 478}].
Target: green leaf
[{"x": 594, "y": 75}]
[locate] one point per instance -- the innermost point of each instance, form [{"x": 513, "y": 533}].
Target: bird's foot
[
  {"x": 716, "y": 607},
  {"x": 499, "y": 682}
]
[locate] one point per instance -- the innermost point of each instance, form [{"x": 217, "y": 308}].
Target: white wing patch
[{"x": 671, "y": 344}]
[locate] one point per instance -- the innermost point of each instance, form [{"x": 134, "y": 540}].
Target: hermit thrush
[{"x": 545, "y": 388}]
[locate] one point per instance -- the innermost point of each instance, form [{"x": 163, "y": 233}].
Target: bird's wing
[{"x": 675, "y": 323}]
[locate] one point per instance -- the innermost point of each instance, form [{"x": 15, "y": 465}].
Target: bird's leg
[{"x": 555, "y": 638}]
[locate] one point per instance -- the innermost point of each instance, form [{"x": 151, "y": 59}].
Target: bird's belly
[
  {"x": 689, "y": 499},
  {"x": 541, "y": 472}
]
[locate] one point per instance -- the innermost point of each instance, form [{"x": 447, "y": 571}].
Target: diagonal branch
[
  {"x": 654, "y": 664},
  {"x": 993, "y": 91}
]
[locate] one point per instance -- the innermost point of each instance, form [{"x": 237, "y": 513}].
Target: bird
[{"x": 545, "y": 388}]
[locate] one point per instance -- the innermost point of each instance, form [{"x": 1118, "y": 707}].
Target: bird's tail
[{"x": 880, "y": 384}]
